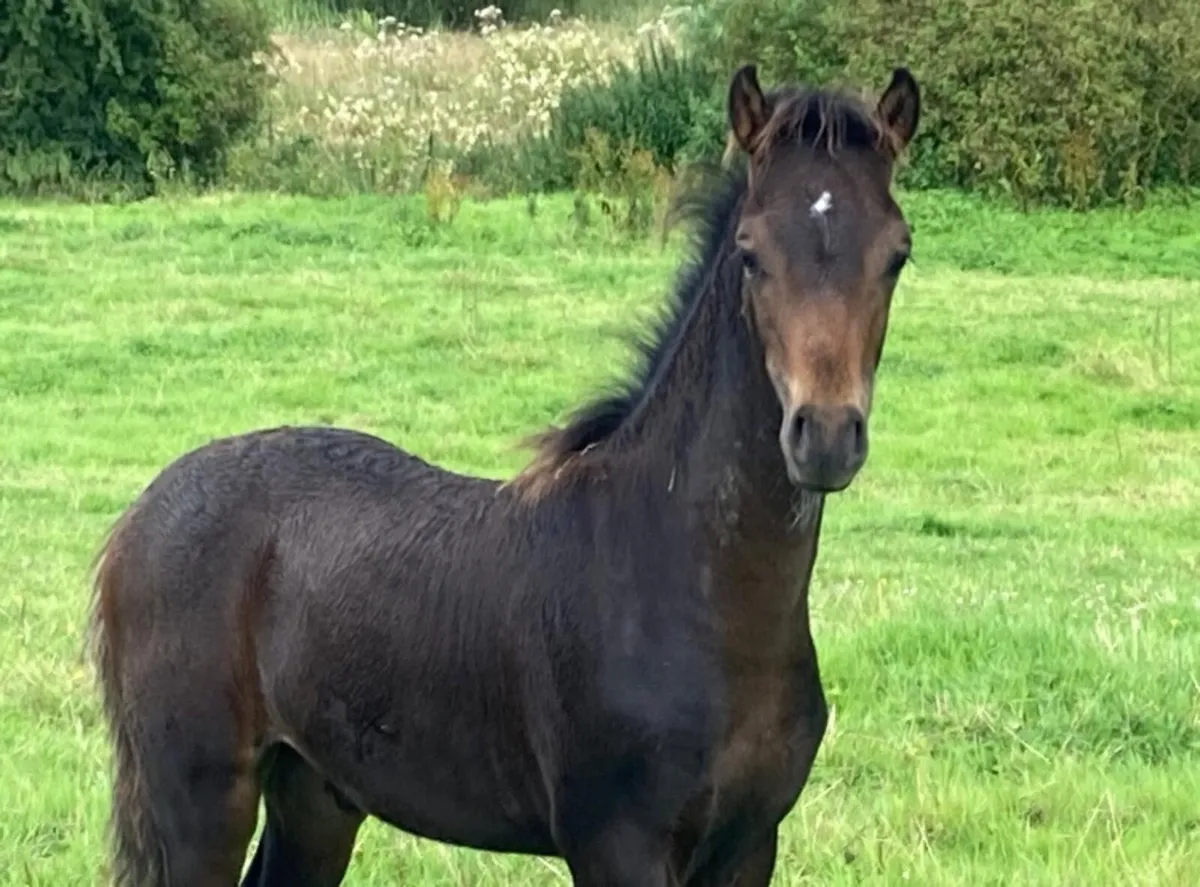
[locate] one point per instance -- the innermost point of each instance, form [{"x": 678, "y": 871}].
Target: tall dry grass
[{"x": 375, "y": 109}]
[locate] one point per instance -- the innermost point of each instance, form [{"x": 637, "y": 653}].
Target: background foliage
[
  {"x": 125, "y": 90},
  {"x": 1071, "y": 102},
  {"x": 664, "y": 104},
  {"x": 454, "y": 13},
  {"x": 1062, "y": 101}
]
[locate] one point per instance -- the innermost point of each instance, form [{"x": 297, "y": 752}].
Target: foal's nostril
[
  {"x": 860, "y": 434},
  {"x": 798, "y": 428}
]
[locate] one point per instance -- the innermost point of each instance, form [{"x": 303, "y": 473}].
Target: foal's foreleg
[
  {"x": 755, "y": 870},
  {"x": 622, "y": 855},
  {"x": 750, "y": 865},
  {"x": 759, "y": 867}
]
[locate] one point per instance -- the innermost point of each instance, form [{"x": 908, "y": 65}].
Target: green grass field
[{"x": 1007, "y": 603}]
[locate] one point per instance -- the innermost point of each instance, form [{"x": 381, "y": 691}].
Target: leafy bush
[
  {"x": 664, "y": 103},
  {"x": 125, "y": 90},
  {"x": 1042, "y": 100}
]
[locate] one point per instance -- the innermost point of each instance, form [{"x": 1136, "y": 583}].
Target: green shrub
[
  {"x": 1062, "y": 101},
  {"x": 125, "y": 91},
  {"x": 665, "y": 104}
]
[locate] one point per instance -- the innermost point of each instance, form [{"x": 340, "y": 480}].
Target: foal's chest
[{"x": 775, "y": 729}]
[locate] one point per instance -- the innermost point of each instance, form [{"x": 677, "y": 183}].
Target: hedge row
[
  {"x": 1064, "y": 101},
  {"x": 1074, "y": 102}
]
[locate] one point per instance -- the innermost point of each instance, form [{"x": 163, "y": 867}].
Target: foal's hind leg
[
  {"x": 310, "y": 832},
  {"x": 187, "y": 798}
]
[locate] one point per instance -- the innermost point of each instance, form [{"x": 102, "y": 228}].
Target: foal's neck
[{"x": 714, "y": 428}]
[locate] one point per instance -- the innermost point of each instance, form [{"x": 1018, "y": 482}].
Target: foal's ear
[
  {"x": 748, "y": 109},
  {"x": 900, "y": 107}
]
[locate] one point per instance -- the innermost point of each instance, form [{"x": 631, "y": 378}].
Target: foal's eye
[
  {"x": 899, "y": 260},
  {"x": 750, "y": 264}
]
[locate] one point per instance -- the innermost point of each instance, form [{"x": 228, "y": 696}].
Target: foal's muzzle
[{"x": 823, "y": 446}]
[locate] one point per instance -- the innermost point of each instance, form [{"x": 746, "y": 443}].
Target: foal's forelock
[{"x": 825, "y": 120}]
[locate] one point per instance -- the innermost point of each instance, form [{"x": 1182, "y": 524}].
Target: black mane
[
  {"x": 826, "y": 119},
  {"x": 710, "y": 213}
]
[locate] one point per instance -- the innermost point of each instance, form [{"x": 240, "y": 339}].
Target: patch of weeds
[
  {"x": 1165, "y": 414},
  {"x": 631, "y": 188},
  {"x": 1028, "y": 350},
  {"x": 581, "y": 213},
  {"x": 444, "y": 192},
  {"x": 1113, "y": 365},
  {"x": 134, "y": 231}
]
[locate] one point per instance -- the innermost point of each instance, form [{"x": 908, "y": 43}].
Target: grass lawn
[{"x": 1007, "y": 603}]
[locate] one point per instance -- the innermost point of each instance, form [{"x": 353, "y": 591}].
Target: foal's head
[{"x": 822, "y": 244}]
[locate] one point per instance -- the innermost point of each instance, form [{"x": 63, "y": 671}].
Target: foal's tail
[{"x": 137, "y": 854}]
